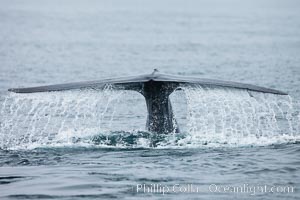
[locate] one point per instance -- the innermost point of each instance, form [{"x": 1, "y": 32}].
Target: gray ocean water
[{"x": 88, "y": 144}]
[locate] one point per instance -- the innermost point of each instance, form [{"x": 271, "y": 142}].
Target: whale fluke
[
  {"x": 137, "y": 81},
  {"x": 156, "y": 88}
]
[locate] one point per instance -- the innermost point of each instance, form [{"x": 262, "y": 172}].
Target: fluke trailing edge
[{"x": 156, "y": 88}]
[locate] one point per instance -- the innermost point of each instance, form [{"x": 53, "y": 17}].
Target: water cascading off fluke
[{"x": 156, "y": 88}]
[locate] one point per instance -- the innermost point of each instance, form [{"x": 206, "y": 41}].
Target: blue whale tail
[{"x": 156, "y": 88}]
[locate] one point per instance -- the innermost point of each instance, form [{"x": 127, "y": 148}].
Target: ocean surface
[{"x": 92, "y": 144}]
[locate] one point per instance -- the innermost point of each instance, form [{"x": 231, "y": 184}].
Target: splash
[
  {"x": 239, "y": 117},
  {"x": 109, "y": 118},
  {"x": 41, "y": 119}
]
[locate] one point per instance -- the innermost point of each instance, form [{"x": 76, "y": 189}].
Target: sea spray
[
  {"x": 109, "y": 118},
  {"x": 233, "y": 116},
  {"x": 62, "y": 117}
]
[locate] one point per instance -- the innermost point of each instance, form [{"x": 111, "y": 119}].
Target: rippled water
[{"x": 93, "y": 145}]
